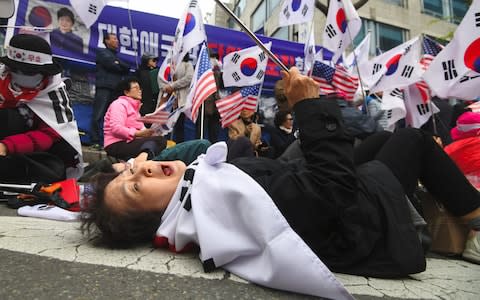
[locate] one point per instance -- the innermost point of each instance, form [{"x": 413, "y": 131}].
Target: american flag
[
  {"x": 231, "y": 106},
  {"x": 430, "y": 49},
  {"x": 204, "y": 85},
  {"x": 161, "y": 114},
  {"x": 335, "y": 80}
]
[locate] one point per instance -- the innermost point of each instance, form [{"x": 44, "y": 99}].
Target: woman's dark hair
[
  {"x": 65, "y": 12},
  {"x": 115, "y": 229},
  {"x": 186, "y": 57},
  {"x": 124, "y": 85},
  {"x": 280, "y": 117}
]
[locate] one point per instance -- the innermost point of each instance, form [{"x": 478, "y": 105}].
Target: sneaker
[{"x": 472, "y": 249}]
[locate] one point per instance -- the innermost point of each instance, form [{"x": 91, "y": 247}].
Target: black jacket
[
  {"x": 280, "y": 140},
  {"x": 355, "y": 219},
  {"x": 110, "y": 70}
]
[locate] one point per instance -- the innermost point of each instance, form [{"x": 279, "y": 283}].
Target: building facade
[{"x": 391, "y": 22}]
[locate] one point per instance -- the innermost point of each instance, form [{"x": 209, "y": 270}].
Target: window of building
[
  {"x": 240, "y": 7},
  {"x": 389, "y": 36},
  {"x": 281, "y": 33},
  {"x": 257, "y": 20},
  {"x": 401, "y": 3},
  {"x": 383, "y": 37},
  {"x": 459, "y": 9},
  {"x": 433, "y": 7},
  {"x": 271, "y": 5}
]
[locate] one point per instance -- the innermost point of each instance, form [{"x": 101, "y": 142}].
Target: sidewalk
[{"x": 443, "y": 279}]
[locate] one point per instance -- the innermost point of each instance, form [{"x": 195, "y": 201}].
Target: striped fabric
[
  {"x": 230, "y": 107},
  {"x": 335, "y": 80}
]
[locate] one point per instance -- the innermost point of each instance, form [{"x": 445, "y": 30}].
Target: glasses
[{"x": 135, "y": 87}]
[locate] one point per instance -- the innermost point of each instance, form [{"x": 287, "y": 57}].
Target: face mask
[{"x": 27, "y": 81}]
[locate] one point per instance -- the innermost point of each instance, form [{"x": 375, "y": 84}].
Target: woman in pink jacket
[{"x": 124, "y": 136}]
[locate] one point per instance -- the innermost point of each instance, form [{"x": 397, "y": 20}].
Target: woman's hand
[
  {"x": 144, "y": 132},
  {"x": 298, "y": 87},
  {"x": 168, "y": 89}
]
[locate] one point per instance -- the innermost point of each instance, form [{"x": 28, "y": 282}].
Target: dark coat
[
  {"x": 356, "y": 220},
  {"x": 66, "y": 41},
  {"x": 280, "y": 140},
  {"x": 110, "y": 70},
  {"x": 149, "y": 99},
  {"x": 357, "y": 124}
]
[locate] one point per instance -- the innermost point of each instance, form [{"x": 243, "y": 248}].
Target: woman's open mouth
[{"x": 167, "y": 170}]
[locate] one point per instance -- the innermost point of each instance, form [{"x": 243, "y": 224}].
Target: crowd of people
[{"x": 340, "y": 178}]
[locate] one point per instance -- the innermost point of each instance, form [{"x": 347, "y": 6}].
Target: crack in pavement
[{"x": 139, "y": 258}]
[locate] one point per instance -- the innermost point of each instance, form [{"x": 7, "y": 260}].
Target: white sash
[{"x": 239, "y": 228}]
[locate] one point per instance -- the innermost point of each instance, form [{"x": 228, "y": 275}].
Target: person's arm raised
[{"x": 298, "y": 87}]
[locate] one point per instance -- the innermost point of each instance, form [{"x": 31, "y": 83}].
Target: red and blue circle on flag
[
  {"x": 472, "y": 56},
  {"x": 248, "y": 66},
  {"x": 190, "y": 23},
  {"x": 167, "y": 74},
  {"x": 392, "y": 64},
  {"x": 296, "y": 5},
  {"x": 341, "y": 20}
]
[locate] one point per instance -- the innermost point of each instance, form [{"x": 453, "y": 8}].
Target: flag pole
[
  {"x": 131, "y": 28},
  {"x": 358, "y": 71},
  {"x": 202, "y": 119},
  {"x": 434, "y": 122},
  {"x": 253, "y": 36}
]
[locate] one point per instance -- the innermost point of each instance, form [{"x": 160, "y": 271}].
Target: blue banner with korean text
[{"x": 146, "y": 33}]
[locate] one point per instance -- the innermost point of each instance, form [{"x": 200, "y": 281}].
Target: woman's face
[
  {"x": 135, "y": 91},
  {"x": 288, "y": 123},
  {"x": 65, "y": 24},
  {"x": 148, "y": 186},
  {"x": 152, "y": 63}
]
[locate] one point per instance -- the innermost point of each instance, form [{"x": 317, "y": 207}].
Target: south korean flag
[
  {"x": 418, "y": 105},
  {"x": 245, "y": 67},
  {"x": 394, "y": 106},
  {"x": 455, "y": 71},
  {"x": 88, "y": 10},
  {"x": 296, "y": 12}
]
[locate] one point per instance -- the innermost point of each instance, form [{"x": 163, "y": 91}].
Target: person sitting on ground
[
  {"x": 465, "y": 150},
  {"x": 125, "y": 136},
  {"x": 246, "y": 126},
  {"x": 355, "y": 219},
  {"x": 39, "y": 139},
  {"x": 282, "y": 135}
]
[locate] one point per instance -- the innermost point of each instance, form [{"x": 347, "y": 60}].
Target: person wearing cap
[
  {"x": 110, "y": 70},
  {"x": 62, "y": 38},
  {"x": 147, "y": 77},
  {"x": 35, "y": 113}
]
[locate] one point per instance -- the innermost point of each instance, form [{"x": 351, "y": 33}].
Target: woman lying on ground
[{"x": 355, "y": 219}]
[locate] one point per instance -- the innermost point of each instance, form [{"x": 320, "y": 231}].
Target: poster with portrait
[{"x": 137, "y": 32}]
